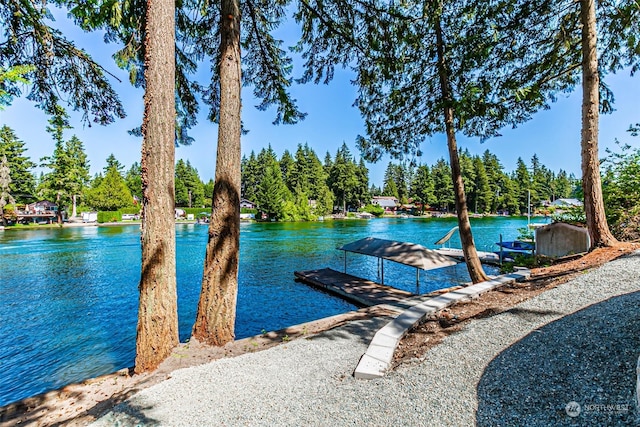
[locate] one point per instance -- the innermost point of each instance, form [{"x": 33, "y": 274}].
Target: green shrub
[
  {"x": 109, "y": 216},
  {"x": 374, "y": 210},
  {"x": 132, "y": 210},
  {"x": 572, "y": 215}
]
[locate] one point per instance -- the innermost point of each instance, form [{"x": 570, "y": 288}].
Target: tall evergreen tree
[
  {"x": 5, "y": 182},
  {"x": 23, "y": 183},
  {"x": 111, "y": 193},
  {"x": 562, "y": 185},
  {"x": 273, "y": 192},
  {"x": 113, "y": 163},
  {"x": 189, "y": 187},
  {"x": 496, "y": 177},
  {"x": 483, "y": 194},
  {"x": 133, "y": 178},
  {"x": 422, "y": 187},
  {"x": 157, "y": 330},
  {"x": 390, "y": 188},
  {"x": 69, "y": 168},
  {"x": 342, "y": 177},
  {"x": 361, "y": 192},
  {"x": 250, "y": 177},
  {"x": 317, "y": 179},
  {"x": 523, "y": 183},
  {"x": 299, "y": 172},
  {"x": 267, "y": 67},
  {"x": 287, "y": 165},
  {"x": 443, "y": 188},
  {"x": 468, "y": 176}
]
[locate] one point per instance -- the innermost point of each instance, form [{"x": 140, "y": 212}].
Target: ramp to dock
[{"x": 360, "y": 291}]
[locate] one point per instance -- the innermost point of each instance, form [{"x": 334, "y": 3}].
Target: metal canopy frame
[{"x": 405, "y": 253}]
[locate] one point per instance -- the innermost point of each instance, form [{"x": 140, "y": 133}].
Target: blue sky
[{"x": 554, "y": 135}]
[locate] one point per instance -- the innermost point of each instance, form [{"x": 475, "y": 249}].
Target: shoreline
[
  {"x": 81, "y": 403},
  {"x": 194, "y": 222}
]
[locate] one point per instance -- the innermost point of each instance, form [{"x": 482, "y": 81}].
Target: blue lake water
[{"x": 69, "y": 297}]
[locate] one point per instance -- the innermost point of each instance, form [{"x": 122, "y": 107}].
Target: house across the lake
[
  {"x": 42, "y": 212},
  {"x": 247, "y": 204},
  {"x": 566, "y": 203},
  {"x": 388, "y": 203}
]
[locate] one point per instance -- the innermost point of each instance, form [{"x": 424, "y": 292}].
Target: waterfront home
[
  {"x": 566, "y": 203},
  {"x": 247, "y": 204},
  {"x": 41, "y": 212},
  {"x": 388, "y": 203},
  {"x": 41, "y": 207}
]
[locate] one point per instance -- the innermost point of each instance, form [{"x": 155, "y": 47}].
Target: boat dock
[
  {"x": 485, "y": 257},
  {"x": 357, "y": 290}
]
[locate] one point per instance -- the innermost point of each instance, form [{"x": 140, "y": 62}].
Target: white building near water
[
  {"x": 566, "y": 203},
  {"x": 389, "y": 203}
]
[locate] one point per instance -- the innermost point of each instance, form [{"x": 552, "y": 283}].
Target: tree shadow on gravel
[{"x": 588, "y": 357}]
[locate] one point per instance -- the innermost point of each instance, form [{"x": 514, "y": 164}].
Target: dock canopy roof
[{"x": 401, "y": 252}]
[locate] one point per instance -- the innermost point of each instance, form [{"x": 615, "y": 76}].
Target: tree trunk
[
  {"x": 591, "y": 182},
  {"x": 474, "y": 266},
  {"x": 215, "y": 318},
  {"x": 157, "y": 332},
  {"x": 74, "y": 212},
  {"x": 59, "y": 211}
]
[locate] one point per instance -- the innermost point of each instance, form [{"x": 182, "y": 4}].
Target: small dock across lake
[{"x": 354, "y": 289}]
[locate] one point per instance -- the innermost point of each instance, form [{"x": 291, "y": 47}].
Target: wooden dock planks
[{"x": 360, "y": 291}]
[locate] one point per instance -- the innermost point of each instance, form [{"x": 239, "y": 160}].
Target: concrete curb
[{"x": 377, "y": 359}]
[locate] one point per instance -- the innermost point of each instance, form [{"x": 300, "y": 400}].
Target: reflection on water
[{"x": 69, "y": 297}]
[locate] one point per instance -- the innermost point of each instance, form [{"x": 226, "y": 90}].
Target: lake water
[{"x": 69, "y": 297}]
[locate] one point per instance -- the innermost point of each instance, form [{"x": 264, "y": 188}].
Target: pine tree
[
  {"x": 5, "y": 182},
  {"x": 111, "y": 192},
  {"x": 69, "y": 167},
  {"x": 495, "y": 176},
  {"x": 23, "y": 182},
  {"x": 390, "y": 188},
  {"x": 250, "y": 177},
  {"x": 342, "y": 177},
  {"x": 443, "y": 188},
  {"x": 273, "y": 193},
  {"x": 287, "y": 165},
  {"x": 523, "y": 186},
  {"x": 157, "y": 329},
  {"x": 133, "y": 178},
  {"x": 422, "y": 187},
  {"x": 483, "y": 194}
]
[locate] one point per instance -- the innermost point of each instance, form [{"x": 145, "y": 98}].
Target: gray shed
[{"x": 560, "y": 239}]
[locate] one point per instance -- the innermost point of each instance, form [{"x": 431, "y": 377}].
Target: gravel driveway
[{"x": 577, "y": 344}]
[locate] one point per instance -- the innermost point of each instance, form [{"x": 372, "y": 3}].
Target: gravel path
[{"x": 521, "y": 367}]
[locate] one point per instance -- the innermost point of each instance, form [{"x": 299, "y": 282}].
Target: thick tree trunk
[
  {"x": 215, "y": 319},
  {"x": 157, "y": 332},
  {"x": 591, "y": 182},
  {"x": 474, "y": 266}
]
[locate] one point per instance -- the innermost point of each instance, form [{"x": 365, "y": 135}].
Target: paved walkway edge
[{"x": 377, "y": 359}]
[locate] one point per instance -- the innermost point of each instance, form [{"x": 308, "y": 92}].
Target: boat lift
[{"x": 410, "y": 254}]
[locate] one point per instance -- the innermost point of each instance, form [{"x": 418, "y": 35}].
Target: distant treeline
[{"x": 300, "y": 185}]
